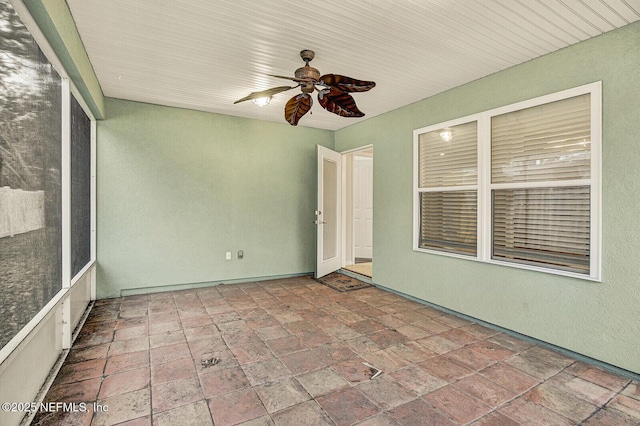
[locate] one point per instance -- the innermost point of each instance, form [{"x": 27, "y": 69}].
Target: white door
[
  {"x": 329, "y": 212},
  {"x": 363, "y": 207}
]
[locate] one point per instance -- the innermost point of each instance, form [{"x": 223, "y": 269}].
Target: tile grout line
[
  {"x": 195, "y": 365},
  {"x": 351, "y": 386},
  {"x": 275, "y": 356},
  {"x": 245, "y": 300},
  {"x": 604, "y": 405}
]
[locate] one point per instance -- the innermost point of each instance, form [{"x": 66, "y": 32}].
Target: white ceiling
[{"x": 206, "y": 54}]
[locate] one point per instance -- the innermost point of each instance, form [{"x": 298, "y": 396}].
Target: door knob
[{"x": 319, "y": 222}]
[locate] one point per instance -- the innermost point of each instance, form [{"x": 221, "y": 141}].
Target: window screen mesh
[
  {"x": 30, "y": 176},
  {"x": 80, "y": 188}
]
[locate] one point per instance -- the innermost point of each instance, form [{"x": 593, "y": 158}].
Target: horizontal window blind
[
  {"x": 543, "y": 143},
  {"x": 449, "y": 221},
  {"x": 451, "y": 162},
  {"x": 543, "y": 226},
  {"x": 518, "y": 185}
]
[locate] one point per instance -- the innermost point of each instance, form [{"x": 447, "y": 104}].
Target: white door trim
[{"x": 347, "y": 252}]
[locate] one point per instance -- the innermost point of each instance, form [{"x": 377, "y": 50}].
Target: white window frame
[
  {"x": 63, "y": 295},
  {"x": 484, "y": 185}
]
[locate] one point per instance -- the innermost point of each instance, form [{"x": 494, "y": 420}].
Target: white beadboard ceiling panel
[{"x": 206, "y": 54}]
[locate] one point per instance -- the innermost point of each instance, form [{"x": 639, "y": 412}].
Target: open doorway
[{"x": 358, "y": 211}]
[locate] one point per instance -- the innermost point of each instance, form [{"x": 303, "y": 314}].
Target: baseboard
[
  {"x": 578, "y": 356},
  {"x": 189, "y": 286}
]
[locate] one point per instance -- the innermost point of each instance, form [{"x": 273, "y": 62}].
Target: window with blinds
[
  {"x": 449, "y": 221},
  {"x": 543, "y": 226},
  {"x": 545, "y": 220},
  {"x": 449, "y": 156},
  {"x": 448, "y": 178},
  {"x": 518, "y": 185},
  {"x": 543, "y": 143}
]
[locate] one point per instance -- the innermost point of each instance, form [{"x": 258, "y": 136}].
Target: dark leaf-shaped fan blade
[
  {"x": 265, "y": 93},
  {"x": 347, "y": 84},
  {"x": 339, "y": 102},
  {"x": 297, "y": 106}
]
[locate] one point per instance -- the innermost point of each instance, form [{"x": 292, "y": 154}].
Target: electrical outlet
[
  {"x": 240, "y": 254},
  {"x": 228, "y": 255}
]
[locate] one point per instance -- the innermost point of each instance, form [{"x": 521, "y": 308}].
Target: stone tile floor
[{"x": 291, "y": 352}]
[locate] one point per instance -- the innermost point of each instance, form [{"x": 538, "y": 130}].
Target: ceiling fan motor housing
[{"x": 307, "y": 73}]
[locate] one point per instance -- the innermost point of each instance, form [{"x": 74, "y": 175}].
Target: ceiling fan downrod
[{"x": 308, "y": 74}]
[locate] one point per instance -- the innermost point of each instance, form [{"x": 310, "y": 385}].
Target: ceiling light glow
[{"x": 262, "y": 101}]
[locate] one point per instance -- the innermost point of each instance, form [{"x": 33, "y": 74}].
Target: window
[
  {"x": 518, "y": 185},
  {"x": 448, "y": 187},
  {"x": 80, "y": 188},
  {"x": 46, "y": 203},
  {"x": 30, "y": 176}
]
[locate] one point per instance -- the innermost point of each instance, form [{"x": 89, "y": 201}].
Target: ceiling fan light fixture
[
  {"x": 333, "y": 92},
  {"x": 264, "y": 101}
]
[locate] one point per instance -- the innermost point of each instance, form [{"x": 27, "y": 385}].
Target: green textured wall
[
  {"x": 599, "y": 320},
  {"x": 179, "y": 188}
]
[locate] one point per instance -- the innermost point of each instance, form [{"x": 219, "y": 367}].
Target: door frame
[
  {"x": 347, "y": 255},
  {"x": 345, "y": 224}
]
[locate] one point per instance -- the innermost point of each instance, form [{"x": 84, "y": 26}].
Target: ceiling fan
[{"x": 333, "y": 92}]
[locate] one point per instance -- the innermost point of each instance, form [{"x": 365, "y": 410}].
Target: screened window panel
[
  {"x": 449, "y": 163},
  {"x": 30, "y": 176},
  {"x": 80, "y": 188},
  {"x": 543, "y": 226},
  {"x": 543, "y": 143},
  {"x": 448, "y": 221}
]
